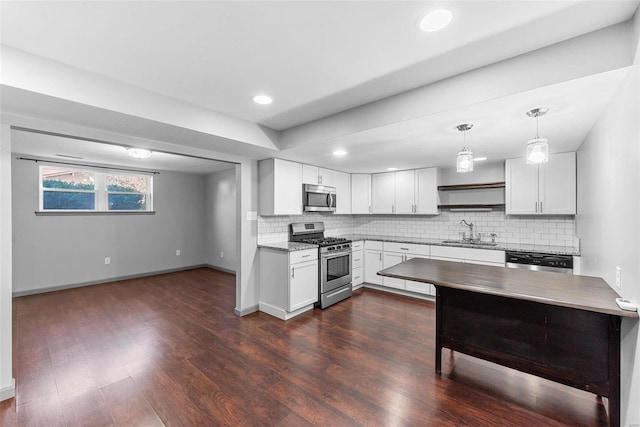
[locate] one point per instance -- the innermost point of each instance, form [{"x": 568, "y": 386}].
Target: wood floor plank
[{"x": 169, "y": 350}]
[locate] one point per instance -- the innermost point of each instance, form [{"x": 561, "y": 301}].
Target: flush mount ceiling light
[
  {"x": 392, "y": 169},
  {"x": 139, "y": 153},
  {"x": 340, "y": 153},
  {"x": 479, "y": 159},
  {"x": 537, "y": 148},
  {"x": 464, "y": 161},
  {"x": 262, "y": 99},
  {"x": 436, "y": 20}
]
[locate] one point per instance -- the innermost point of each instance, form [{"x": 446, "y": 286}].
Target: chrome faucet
[{"x": 470, "y": 225}]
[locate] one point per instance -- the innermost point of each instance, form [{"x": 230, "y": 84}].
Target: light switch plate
[{"x": 252, "y": 216}]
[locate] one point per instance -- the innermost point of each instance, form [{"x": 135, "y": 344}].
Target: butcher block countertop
[{"x": 580, "y": 292}]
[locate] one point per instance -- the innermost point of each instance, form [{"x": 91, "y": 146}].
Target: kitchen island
[{"x": 560, "y": 327}]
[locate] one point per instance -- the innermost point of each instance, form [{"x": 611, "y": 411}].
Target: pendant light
[
  {"x": 464, "y": 161},
  {"x": 537, "y": 148}
]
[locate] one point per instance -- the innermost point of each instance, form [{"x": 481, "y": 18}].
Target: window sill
[{"x": 92, "y": 213}]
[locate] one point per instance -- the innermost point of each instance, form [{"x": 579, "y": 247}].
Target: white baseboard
[
  {"x": 245, "y": 311},
  {"x": 281, "y": 313},
  {"x": 9, "y": 391}
]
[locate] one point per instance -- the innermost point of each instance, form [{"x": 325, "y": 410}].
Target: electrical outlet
[
  {"x": 221, "y": 254},
  {"x": 618, "y": 273},
  {"x": 107, "y": 261},
  {"x": 177, "y": 252}
]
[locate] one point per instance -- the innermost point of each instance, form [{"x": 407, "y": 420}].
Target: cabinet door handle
[
  {"x": 380, "y": 256},
  {"x": 369, "y": 208},
  {"x": 357, "y": 259},
  {"x": 393, "y": 208},
  {"x": 306, "y": 256},
  {"x": 540, "y": 207},
  {"x": 404, "y": 249},
  {"x": 536, "y": 206},
  {"x": 293, "y": 272}
]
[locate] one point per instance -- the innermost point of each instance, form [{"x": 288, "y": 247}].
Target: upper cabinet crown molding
[{"x": 547, "y": 189}]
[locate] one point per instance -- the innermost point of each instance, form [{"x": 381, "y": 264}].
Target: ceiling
[
  {"x": 318, "y": 59},
  {"x": 71, "y": 150}
]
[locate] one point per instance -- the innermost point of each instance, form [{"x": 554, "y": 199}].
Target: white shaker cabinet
[
  {"x": 360, "y": 193},
  {"x": 405, "y": 182},
  {"x": 427, "y": 196},
  {"x": 357, "y": 269},
  {"x": 342, "y": 182},
  {"x": 288, "y": 282},
  {"x": 547, "y": 189},
  {"x": 406, "y": 192},
  {"x": 279, "y": 187},
  {"x": 317, "y": 176},
  {"x": 372, "y": 262},
  {"x": 383, "y": 192},
  {"x": 389, "y": 259}
]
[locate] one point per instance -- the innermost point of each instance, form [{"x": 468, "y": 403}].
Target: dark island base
[{"x": 574, "y": 347}]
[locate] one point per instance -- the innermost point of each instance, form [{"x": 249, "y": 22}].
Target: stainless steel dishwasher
[{"x": 540, "y": 261}]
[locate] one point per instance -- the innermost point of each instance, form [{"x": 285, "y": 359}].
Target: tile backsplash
[{"x": 537, "y": 230}]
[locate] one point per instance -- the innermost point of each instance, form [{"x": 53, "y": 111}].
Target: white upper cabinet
[
  {"x": 383, "y": 192},
  {"x": 342, "y": 182},
  {"x": 279, "y": 187},
  {"x": 547, "y": 189},
  {"x": 405, "y": 192},
  {"x": 360, "y": 193},
  {"x": 427, "y": 196},
  {"x": 317, "y": 176}
]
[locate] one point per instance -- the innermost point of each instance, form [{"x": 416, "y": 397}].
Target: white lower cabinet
[
  {"x": 372, "y": 262},
  {"x": 288, "y": 282},
  {"x": 395, "y": 253},
  {"x": 357, "y": 262}
]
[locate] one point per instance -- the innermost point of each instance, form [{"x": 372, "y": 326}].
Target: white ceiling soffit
[
  {"x": 501, "y": 129},
  {"x": 70, "y": 150},
  {"x": 316, "y": 58}
]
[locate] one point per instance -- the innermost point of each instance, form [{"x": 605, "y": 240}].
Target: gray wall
[
  {"x": 58, "y": 251},
  {"x": 607, "y": 220},
  {"x": 220, "y": 212}
]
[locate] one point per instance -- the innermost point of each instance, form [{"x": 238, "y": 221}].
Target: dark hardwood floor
[{"x": 169, "y": 350}]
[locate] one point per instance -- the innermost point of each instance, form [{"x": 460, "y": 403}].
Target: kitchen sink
[{"x": 467, "y": 243}]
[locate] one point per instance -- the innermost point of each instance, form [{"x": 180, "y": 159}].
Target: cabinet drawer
[
  {"x": 409, "y": 248},
  {"x": 357, "y": 276},
  {"x": 357, "y": 258},
  {"x": 373, "y": 244},
  {"x": 357, "y": 246},
  {"x": 301, "y": 256}
]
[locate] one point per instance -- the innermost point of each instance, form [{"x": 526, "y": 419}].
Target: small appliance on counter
[
  {"x": 319, "y": 198},
  {"x": 334, "y": 268}
]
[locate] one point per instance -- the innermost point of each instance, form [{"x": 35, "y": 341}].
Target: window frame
[{"x": 100, "y": 191}]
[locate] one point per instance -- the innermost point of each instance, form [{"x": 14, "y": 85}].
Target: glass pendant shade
[
  {"x": 537, "y": 151},
  {"x": 464, "y": 161}
]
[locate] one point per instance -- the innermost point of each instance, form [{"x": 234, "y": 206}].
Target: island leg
[
  {"x": 614, "y": 370},
  {"x": 438, "y": 331}
]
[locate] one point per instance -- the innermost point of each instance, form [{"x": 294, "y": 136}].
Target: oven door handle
[{"x": 336, "y": 254}]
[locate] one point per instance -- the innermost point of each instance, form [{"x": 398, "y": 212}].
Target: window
[{"x": 88, "y": 190}]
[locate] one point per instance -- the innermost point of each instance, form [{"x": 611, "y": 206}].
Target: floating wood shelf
[
  {"x": 483, "y": 206},
  {"x": 471, "y": 186}
]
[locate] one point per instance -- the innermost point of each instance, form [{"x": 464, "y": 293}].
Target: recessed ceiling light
[
  {"x": 262, "y": 99},
  {"x": 479, "y": 159},
  {"x": 340, "y": 153},
  {"x": 436, "y": 20},
  {"x": 139, "y": 153},
  {"x": 392, "y": 169}
]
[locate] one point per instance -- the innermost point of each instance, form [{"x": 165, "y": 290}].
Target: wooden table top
[{"x": 581, "y": 292}]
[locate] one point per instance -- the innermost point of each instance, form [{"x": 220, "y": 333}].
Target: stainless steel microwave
[{"x": 318, "y": 198}]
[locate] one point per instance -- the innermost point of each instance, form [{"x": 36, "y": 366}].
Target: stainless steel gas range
[{"x": 334, "y": 270}]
